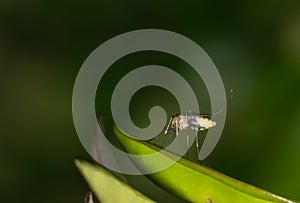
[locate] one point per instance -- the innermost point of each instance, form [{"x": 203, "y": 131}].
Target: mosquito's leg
[
  {"x": 168, "y": 126},
  {"x": 187, "y": 146},
  {"x": 165, "y": 132},
  {"x": 177, "y": 128},
  {"x": 197, "y": 143},
  {"x": 197, "y": 146},
  {"x": 166, "y": 139},
  {"x": 154, "y": 138}
]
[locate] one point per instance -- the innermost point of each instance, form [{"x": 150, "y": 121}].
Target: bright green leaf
[
  {"x": 193, "y": 182},
  {"x": 107, "y": 187}
]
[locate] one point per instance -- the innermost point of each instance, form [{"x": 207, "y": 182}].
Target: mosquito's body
[
  {"x": 194, "y": 121},
  {"x": 190, "y": 120}
]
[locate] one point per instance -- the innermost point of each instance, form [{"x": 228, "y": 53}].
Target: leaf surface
[
  {"x": 107, "y": 187},
  {"x": 193, "y": 182}
]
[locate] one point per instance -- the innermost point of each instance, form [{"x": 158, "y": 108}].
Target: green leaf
[
  {"x": 193, "y": 182},
  {"x": 107, "y": 187}
]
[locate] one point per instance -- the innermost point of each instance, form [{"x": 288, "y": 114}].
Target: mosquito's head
[
  {"x": 208, "y": 123},
  {"x": 212, "y": 123},
  {"x": 205, "y": 123}
]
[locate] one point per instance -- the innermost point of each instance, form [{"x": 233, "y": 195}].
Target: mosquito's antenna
[
  {"x": 217, "y": 113},
  {"x": 168, "y": 126}
]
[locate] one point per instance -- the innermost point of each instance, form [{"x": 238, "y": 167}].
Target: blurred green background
[{"x": 255, "y": 46}]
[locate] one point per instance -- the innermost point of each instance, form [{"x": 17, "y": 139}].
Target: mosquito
[{"x": 190, "y": 120}]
